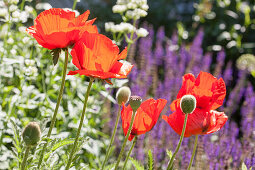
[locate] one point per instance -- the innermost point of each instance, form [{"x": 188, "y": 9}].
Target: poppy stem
[
  {"x": 74, "y": 4},
  {"x": 125, "y": 140},
  {"x": 60, "y": 94},
  {"x": 24, "y": 162},
  {"x": 80, "y": 125},
  {"x": 112, "y": 138},
  {"x": 130, "y": 151},
  {"x": 193, "y": 153},
  {"x": 170, "y": 165}
]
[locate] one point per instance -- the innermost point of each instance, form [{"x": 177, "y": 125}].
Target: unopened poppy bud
[
  {"x": 188, "y": 104},
  {"x": 31, "y": 134},
  {"x": 123, "y": 95},
  {"x": 135, "y": 102}
]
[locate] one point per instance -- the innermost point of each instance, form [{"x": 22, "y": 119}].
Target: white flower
[
  {"x": 13, "y": 52},
  {"x": 130, "y": 14},
  {"x": 3, "y": 12},
  {"x": 127, "y": 27},
  {"x": 16, "y": 14},
  {"x": 10, "y": 40},
  {"x": 140, "y": 12},
  {"x": 13, "y": 8},
  {"x": 25, "y": 40},
  {"x": 118, "y": 28},
  {"x": 23, "y": 16},
  {"x": 131, "y": 5},
  {"x": 145, "y": 7},
  {"x": 43, "y": 6},
  {"x": 109, "y": 26},
  {"x": 141, "y": 32},
  {"x": 139, "y": 2},
  {"x": 2, "y": 3},
  {"x": 22, "y": 29},
  {"x": 119, "y": 8},
  {"x": 29, "y": 9},
  {"x": 14, "y": 1}
]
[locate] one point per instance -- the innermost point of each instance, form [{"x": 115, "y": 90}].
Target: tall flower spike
[
  {"x": 58, "y": 28},
  {"x": 209, "y": 93},
  {"x": 97, "y": 56}
]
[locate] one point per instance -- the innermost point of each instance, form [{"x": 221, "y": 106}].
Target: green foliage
[
  {"x": 136, "y": 164},
  {"x": 169, "y": 154},
  {"x": 150, "y": 163}
]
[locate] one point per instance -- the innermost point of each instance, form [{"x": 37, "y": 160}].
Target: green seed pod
[
  {"x": 188, "y": 104},
  {"x": 135, "y": 102},
  {"x": 123, "y": 95},
  {"x": 31, "y": 134}
]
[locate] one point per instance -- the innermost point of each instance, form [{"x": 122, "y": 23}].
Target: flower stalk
[
  {"x": 24, "y": 162},
  {"x": 129, "y": 152},
  {"x": 125, "y": 140},
  {"x": 170, "y": 165},
  {"x": 60, "y": 94},
  {"x": 80, "y": 125},
  {"x": 193, "y": 152},
  {"x": 112, "y": 138}
]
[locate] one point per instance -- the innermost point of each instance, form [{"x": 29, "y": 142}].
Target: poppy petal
[
  {"x": 58, "y": 28},
  {"x": 219, "y": 93},
  {"x": 218, "y": 120},
  {"x": 145, "y": 119},
  {"x": 187, "y": 85},
  {"x": 123, "y": 68},
  {"x": 123, "y": 54},
  {"x": 175, "y": 104}
]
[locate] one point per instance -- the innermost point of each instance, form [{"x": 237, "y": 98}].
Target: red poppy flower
[
  {"x": 209, "y": 93},
  {"x": 145, "y": 119},
  {"x": 58, "y": 28},
  {"x": 95, "y": 55}
]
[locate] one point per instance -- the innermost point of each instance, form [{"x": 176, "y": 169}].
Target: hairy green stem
[
  {"x": 60, "y": 94},
  {"x": 24, "y": 162},
  {"x": 125, "y": 140},
  {"x": 193, "y": 152},
  {"x": 22, "y": 5},
  {"x": 80, "y": 125},
  {"x": 170, "y": 165},
  {"x": 74, "y": 4},
  {"x": 112, "y": 138},
  {"x": 129, "y": 152}
]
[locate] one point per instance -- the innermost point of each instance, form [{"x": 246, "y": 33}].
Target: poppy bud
[
  {"x": 188, "y": 104},
  {"x": 123, "y": 95},
  {"x": 135, "y": 102},
  {"x": 31, "y": 134}
]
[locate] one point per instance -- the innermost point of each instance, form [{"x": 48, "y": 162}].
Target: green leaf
[
  {"x": 62, "y": 143},
  {"x": 150, "y": 163},
  {"x": 55, "y": 55},
  {"x": 244, "y": 167},
  {"x": 57, "y": 145},
  {"x": 169, "y": 153},
  {"x": 111, "y": 166},
  {"x": 136, "y": 164}
]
